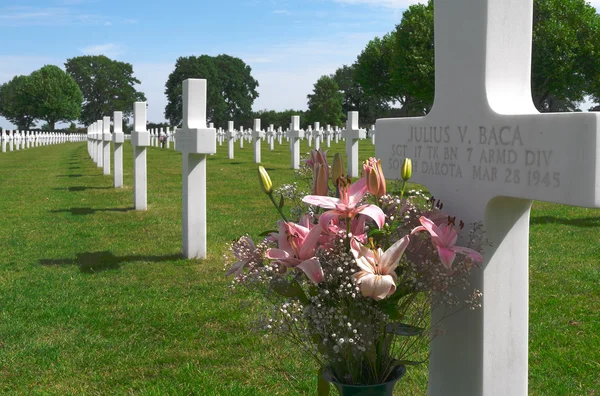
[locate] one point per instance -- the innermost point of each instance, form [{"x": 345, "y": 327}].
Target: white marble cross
[
  {"x": 4, "y": 138},
  {"x": 271, "y": 137},
  {"x": 257, "y": 135},
  {"x": 99, "y": 152},
  {"x": 168, "y": 137},
  {"x": 353, "y": 134},
  {"x": 89, "y": 141},
  {"x": 118, "y": 140},
  {"x": 317, "y": 133},
  {"x": 372, "y": 134},
  {"x": 195, "y": 141},
  {"x": 295, "y": 134},
  {"x": 230, "y": 139},
  {"x": 140, "y": 140},
  {"x": 106, "y": 139},
  {"x": 486, "y": 152}
]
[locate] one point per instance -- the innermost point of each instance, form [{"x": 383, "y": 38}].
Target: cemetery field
[{"x": 96, "y": 299}]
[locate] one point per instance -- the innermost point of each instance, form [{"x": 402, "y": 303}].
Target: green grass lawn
[{"x": 96, "y": 299}]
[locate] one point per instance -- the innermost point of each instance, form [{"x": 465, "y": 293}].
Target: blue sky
[{"x": 288, "y": 43}]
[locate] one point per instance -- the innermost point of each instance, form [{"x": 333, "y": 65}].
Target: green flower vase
[{"x": 384, "y": 389}]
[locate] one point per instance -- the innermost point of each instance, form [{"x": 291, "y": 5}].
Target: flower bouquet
[{"x": 353, "y": 275}]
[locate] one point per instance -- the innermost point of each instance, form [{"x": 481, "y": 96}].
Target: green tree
[
  {"x": 566, "y": 54},
  {"x": 57, "y": 96},
  {"x": 372, "y": 70},
  {"x": 412, "y": 65},
  {"x": 370, "y": 107},
  {"x": 107, "y": 86},
  {"x": 565, "y": 58},
  {"x": 201, "y": 66},
  {"x": 281, "y": 118},
  {"x": 17, "y": 103},
  {"x": 325, "y": 103},
  {"x": 238, "y": 89},
  {"x": 231, "y": 89}
]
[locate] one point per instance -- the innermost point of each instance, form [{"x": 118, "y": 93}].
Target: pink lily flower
[
  {"x": 377, "y": 278},
  {"x": 336, "y": 229},
  {"x": 444, "y": 238},
  {"x": 346, "y": 206},
  {"x": 317, "y": 157},
  {"x": 297, "y": 245}
]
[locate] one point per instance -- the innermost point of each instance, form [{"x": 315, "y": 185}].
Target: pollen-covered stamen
[{"x": 292, "y": 239}]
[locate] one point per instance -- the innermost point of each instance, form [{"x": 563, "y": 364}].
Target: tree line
[{"x": 393, "y": 76}]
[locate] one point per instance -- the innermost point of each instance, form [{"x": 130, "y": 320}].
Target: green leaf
[
  {"x": 322, "y": 385},
  {"x": 403, "y": 329},
  {"x": 408, "y": 362},
  {"x": 375, "y": 231},
  {"x": 267, "y": 233},
  {"x": 290, "y": 290},
  {"x": 390, "y": 310},
  {"x": 281, "y": 202}
]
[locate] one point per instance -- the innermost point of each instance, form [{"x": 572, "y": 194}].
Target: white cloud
[
  {"x": 282, "y": 12},
  {"x": 396, "y": 4},
  {"x": 109, "y": 49}
]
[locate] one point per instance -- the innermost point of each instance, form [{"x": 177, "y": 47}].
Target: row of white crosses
[
  {"x": 352, "y": 134},
  {"x": 17, "y": 140},
  {"x": 99, "y": 139},
  {"x": 487, "y": 153},
  {"x": 167, "y": 133},
  {"x": 195, "y": 141}
]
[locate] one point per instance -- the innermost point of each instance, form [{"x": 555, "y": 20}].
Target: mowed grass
[{"x": 96, "y": 299}]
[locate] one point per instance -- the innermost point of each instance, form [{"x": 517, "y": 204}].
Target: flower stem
[
  {"x": 277, "y": 207},
  {"x": 402, "y": 191},
  {"x": 348, "y": 221}
]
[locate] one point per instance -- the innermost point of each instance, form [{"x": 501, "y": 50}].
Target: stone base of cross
[
  {"x": 486, "y": 152},
  {"x": 195, "y": 141},
  {"x": 295, "y": 134},
  {"x": 140, "y": 140},
  {"x": 353, "y": 134}
]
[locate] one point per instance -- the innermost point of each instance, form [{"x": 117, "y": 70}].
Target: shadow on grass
[
  {"x": 80, "y": 188},
  {"x": 583, "y": 222},
  {"x": 74, "y": 167},
  {"x": 75, "y": 175},
  {"x": 92, "y": 262},
  {"x": 88, "y": 211}
]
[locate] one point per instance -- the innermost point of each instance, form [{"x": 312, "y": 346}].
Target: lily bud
[
  {"x": 337, "y": 170},
  {"x": 374, "y": 177},
  {"x": 321, "y": 180},
  {"x": 265, "y": 180},
  {"x": 406, "y": 170}
]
